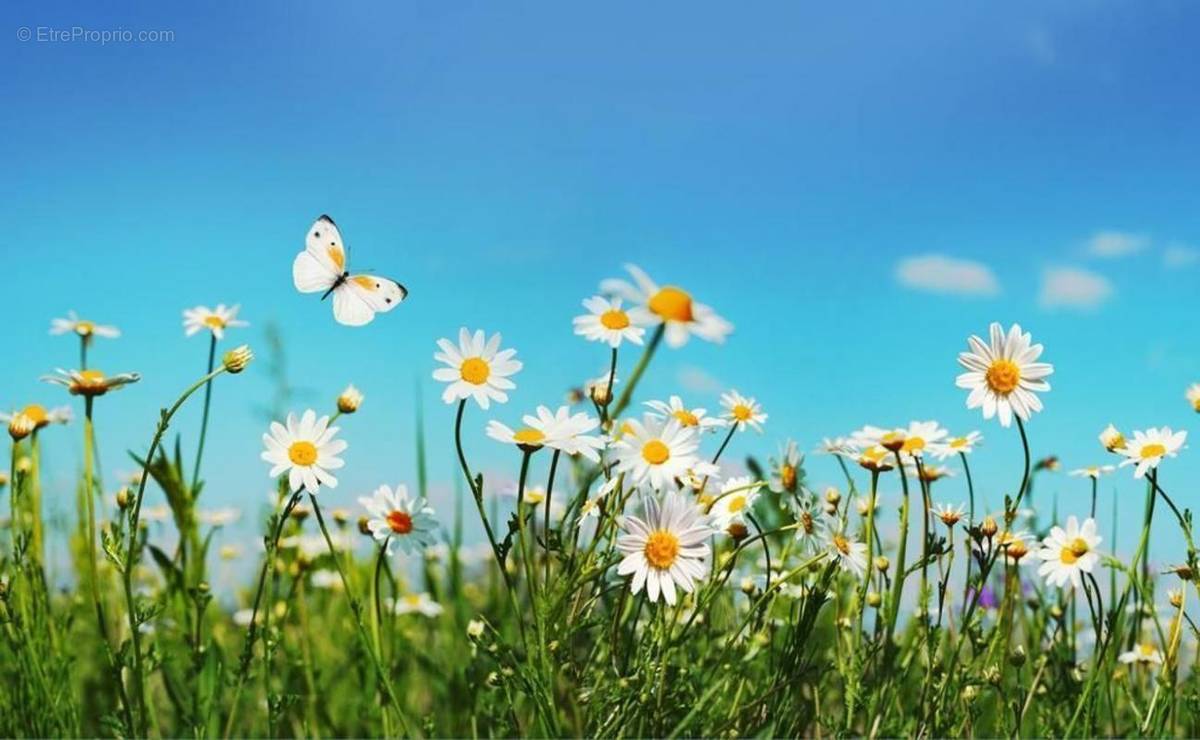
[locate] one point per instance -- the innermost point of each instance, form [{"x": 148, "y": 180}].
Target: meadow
[{"x": 635, "y": 582}]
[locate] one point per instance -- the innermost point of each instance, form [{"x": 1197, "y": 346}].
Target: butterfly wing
[
  {"x": 323, "y": 260},
  {"x": 360, "y": 297}
]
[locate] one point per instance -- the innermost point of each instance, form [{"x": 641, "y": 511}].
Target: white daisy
[
  {"x": 949, "y": 513},
  {"x": 39, "y": 416},
  {"x": 530, "y": 437},
  {"x": 742, "y": 412},
  {"x": 1145, "y": 653},
  {"x": 787, "y": 471},
  {"x": 922, "y": 437},
  {"x": 607, "y": 322},
  {"x": 394, "y": 518},
  {"x": 1092, "y": 471},
  {"x": 688, "y": 417},
  {"x": 1004, "y": 376},
  {"x": 873, "y": 457},
  {"x": 668, "y": 305},
  {"x": 850, "y": 554},
  {"x": 1147, "y": 449},
  {"x": 655, "y": 452},
  {"x": 955, "y": 445},
  {"x": 1068, "y": 552},
  {"x": 90, "y": 383},
  {"x": 421, "y": 603},
  {"x": 82, "y": 327},
  {"x": 600, "y": 388},
  {"x": 477, "y": 368},
  {"x": 736, "y": 499},
  {"x": 1193, "y": 396},
  {"x": 568, "y": 432},
  {"x": 326, "y": 579},
  {"x": 306, "y": 450},
  {"x": 216, "y": 320},
  {"x": 1112, "y": 439},
  {"x": 810, "y": 522},
  {"x": 665, "y": 550},
  {"x": 834, "y": 445},
  {"x": 869, "y": 436}
]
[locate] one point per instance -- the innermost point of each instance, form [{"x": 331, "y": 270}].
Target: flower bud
[
  {"x": 236, "y": 359},
  {"x": 475, "y": 628},
  {"x": 989, "y": 527},
  {"x": 300, "y": 512},
  {"x": 874, "y": 599},
  {"x": 341, "y": 516},
  {"x": 882, "y": 564},
  {"x": 3, "y": 479},
  {"x": 737, "y": 531},
  {"x": 20, "y": 426},
  {"x": 349, "y": 400},
  {"x": 1017, "y": 658},
  {"x": 363, "y": 527},
  {"x": 833, "y": 495},
  {"x": 124, "y": 498},
  {"x": 1175, "y": 597}
]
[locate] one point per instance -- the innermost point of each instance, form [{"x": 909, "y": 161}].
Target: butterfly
[{"x": 322, "y": 267}]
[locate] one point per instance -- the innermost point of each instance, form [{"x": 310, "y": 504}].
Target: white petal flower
[
  {"x": 216, "y": 320},
  {"x": 306, "y": 450},
  {"x": 850, "y": 554},
  {"x": 1003, "y": 375},
  {"x": 667, "y": 305},
  {"x": 82, "y": 327},
  {"x": 742, "y": 411},
  {"x": 666, "y": 550},
  {"x": 401, "y": 522},
  {"x": 956, "y": 445},
  {"x": 655, "y": 452},
  {"x": 737, "y": 497},
  {"x": 607, "y": 322},
  {"x": 1092, "y": 471},
  {"x": 1149, "y": 448},
  {"x": 688, "y": 417},
  {"x": 421, "y": 603},
  {"x": 476, "y": 368},
  {"x": 1069, "y": 552}
]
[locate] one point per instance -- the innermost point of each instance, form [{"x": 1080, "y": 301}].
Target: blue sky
[{"x": 856, "y": 192}]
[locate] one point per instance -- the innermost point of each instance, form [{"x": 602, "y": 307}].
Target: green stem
[
  {"x": 131, "y": 555},
  {"x": 636, "y": 375},
  {"x": 901, "y": 552},
  {"x": 546, "y": 528},
  {"x": 356, "y": 609},
  {"x": 212, "y": 356}
]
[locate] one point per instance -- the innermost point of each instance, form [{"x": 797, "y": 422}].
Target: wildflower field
[{"x": 637, "y": 581}]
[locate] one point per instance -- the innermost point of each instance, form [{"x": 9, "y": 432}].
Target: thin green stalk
[
  {"x": 356, "y": 609},
  {"x": 638, "y": 370},
  {"x": 901, "y": 552},
  {"x": 212, "y": 356},
  {"x": 546, "y": 529},
  {"x": 164, "y": 421}
]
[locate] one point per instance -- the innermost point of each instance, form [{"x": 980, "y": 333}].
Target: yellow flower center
[
  {"x": 84, "y": 328},
  {"x": 1003, "y": 376},
  {"x": 400, "y": 522},
  {"x": 672, "y": 304},
  {"x": 737, "y": 503},
  {"x": 1074, "y": 550},
  {"x": 1196, "y": 404},
  {"x": 37, "y": 414},
  {"x": 787, "y": 476},
  {"x": 89, "y": 383},
  {"x": 412, "y": 599},
  {"x": 913, "y": 444},
  {"x": 958, "y": 443},
  {"x": 806, "y": 521},
  {"x": 528, "y": 436},
  {"x": 214, "y": 321},
  {"x": 1146, "y": 649},
  {"x": 655, "y": 452},
  {"x": 1154, "y": 449},
  {"x": 662, "y": 547},
  {"x": 475, "y": 370},
  {"x": 742, "y": 412},
  {"x": 614, "y": 319},
  {"x": 302, "y": 453},
  {"x": 842, "y": 544},
  {"x": 686, "y": 418}
]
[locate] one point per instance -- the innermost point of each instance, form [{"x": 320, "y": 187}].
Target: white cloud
[
  {"x": 1072, "y": 287},
  {"x": 698, "y": 380},
  {"x": 1110, "y": 244},
  {"x": 1180, "y": 255},
  {"x": 939, "y": 274}
]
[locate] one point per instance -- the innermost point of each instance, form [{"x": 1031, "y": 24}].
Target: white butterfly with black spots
[{"x": 322, "y": 267}]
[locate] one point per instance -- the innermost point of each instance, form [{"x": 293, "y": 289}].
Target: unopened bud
[
  {"x": 236, "y": 359},
  {"x": 341, "y": 516},
  {"x": 874, "y": 599},
  {"x": 363, "y": 527},
  {"x": 882, "y": 564},
  {"x": 737, "y": 531},
  {"x": 20, "y": 426},
  {"x": 989, "y": 528},
  {"x": 833, "y": 495},
  {"x": 349, "y": 400},
  {"x": 124, "y": 498},
  {"x": 1017, "y": 659}
]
